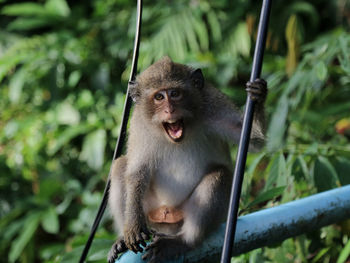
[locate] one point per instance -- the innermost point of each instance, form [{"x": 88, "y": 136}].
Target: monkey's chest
[
  {"x": 175, "y": 181},
  {"x": 178, "y": 173}
]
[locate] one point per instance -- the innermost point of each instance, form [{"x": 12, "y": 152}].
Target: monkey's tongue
[{"x": 175, "y": 129}]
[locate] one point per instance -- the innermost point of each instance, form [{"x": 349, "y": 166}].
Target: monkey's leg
[
  {"x": 117, "y": 205},
  {"x": 205, "y": 209}
]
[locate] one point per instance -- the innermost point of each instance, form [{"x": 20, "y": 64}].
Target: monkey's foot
[
  {"x": 257, "y": 90},
  {"x": 117, "y": 248},
  {"x": 164, "y": 247}
]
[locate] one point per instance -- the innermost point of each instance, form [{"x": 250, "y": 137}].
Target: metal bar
[
  {"x": 270, "y": 226},
  {"x": 122, "y": 134},
  {"x": 245, "y": 136}
]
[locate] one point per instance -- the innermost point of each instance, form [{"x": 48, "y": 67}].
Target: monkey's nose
[{"x": 169, "y": 110}]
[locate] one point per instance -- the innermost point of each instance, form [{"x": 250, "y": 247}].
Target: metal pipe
[
  {"x": 122, "y": 133},
  {"x": 245, "y": 136},
  {"x": 270, "y": 226}
]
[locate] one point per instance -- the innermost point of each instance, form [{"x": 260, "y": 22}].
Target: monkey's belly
[{"x": 165, "y": 214}]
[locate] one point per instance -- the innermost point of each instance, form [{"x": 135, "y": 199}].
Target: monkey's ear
[
  {"x": 197, "y": 79},
  {"x": 134, "y": 91}
]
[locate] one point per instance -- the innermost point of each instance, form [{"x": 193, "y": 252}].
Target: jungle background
[{"x": 64, "y": 67}]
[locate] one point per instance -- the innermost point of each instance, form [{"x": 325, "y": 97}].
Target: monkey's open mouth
[{"x": 175, "y": 129}]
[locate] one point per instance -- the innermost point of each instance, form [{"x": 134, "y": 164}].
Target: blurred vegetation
[{"x": 64, "y": 66}]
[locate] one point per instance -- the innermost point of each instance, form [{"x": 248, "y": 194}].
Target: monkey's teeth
[{"x": 171, "y": 121}]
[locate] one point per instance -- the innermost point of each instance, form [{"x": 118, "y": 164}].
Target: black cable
[
  {"x": 245, "y": 136},
  {"x": 122, "y": 134}
]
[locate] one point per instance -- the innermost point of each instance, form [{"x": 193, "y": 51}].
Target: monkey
[{"x": 175, "y": 179}]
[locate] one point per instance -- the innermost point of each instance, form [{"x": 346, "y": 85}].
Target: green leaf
[
  {"x": 267, "y": 195},
  {"x": 249, "y": 175},
  {"x": 277, "y": 125},
  {"x": 65, "y": 137},
  {"x": 342, "y": 167},
  {"x": 11, "y": 230},
  {"x": 93, "y": 149},
  {"x": 255, "y": 163},
  {"x": 307, "y": 9},
  {"x": 214, "y": 24},
  {"x": 202, "y": 33},
  {"x": 320, "y": 254},
  {"x": 72, "y": 256},
  {"x": 100, "y": 249},
  {"x": 50, "y": 221},
  {"x": 58, "y": 7},
  {"x": 242, "y": 39},
  {"x": 272, "y": 172},
  {"x": 74, "y": 78},
  {"x": 277, "y": 172},
  {"x": 24, "y": 9},
  {"x": 16, "y": 84},
  {"x": 22, "y": 240},
  {"x": 28, "y": 23},
  {"x": 344, "y": 254},
  {"x": 9, "y": 61},
  {"x": 67, "y": 114},
  {"x": 325, "y": 176},
  {"x": 321, "y": 71}
]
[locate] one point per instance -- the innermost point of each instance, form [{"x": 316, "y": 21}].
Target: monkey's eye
[
  {"x": 158, "y": 96},
  {"x": 175, "y": 94}
]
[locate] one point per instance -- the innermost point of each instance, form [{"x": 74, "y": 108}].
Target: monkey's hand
[
  {"x": 117, "y": 248},
  {"x": 136, "y": 234},
  {"x": 257, "y": 90},
  {"x": 164, "y": 247}
]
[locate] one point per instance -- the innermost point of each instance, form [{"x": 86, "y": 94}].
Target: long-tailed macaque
[{"x": 174, "y": 181}]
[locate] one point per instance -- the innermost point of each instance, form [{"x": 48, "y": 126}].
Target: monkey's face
[
  {"x": 171, "y": 111},
  {"x": 169, "y": 96}
]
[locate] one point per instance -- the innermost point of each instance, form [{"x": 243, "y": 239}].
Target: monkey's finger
[
  {"x": 143, "y": 243},
  {"x": 138, "y": 247},
  {"x": 152, "y": 232},
  {"x": 140, "y": 240},
  {"x": 257, "y": 85},
  {"x": 255, "y": 90},
  {"x": 145, "y": 236},
  {"x": 257, "y": 82},
  {"x": 262, "y": 81},
  {"x": 113, "y": 253},
  {"x": 153, "y": 245},
  {"x": 133, "y": 247},
  {"x": 150, "y": 246},
  {"x": 146, "y": 256},
  {"x": 151, "y": 255},
  {"x": 147, "y": 232},
  {"x": 121, "y": 247},
  {"x": 131, "y": 241},
  {"x": 112, "y": 259}
]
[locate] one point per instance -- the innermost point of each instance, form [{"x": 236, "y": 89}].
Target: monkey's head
[{"x": 169, "y": 97}]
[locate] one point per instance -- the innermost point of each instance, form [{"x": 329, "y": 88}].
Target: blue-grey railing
[{"x": 270, "y": 226}]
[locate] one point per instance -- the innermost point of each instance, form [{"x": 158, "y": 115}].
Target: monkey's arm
[
  {"x": 226, "y": 120},
  {"x": 135, "y": 229}
]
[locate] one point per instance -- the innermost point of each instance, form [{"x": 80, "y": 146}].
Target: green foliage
[{"x": 64, "y": 66}]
